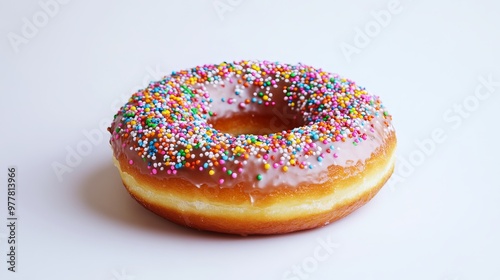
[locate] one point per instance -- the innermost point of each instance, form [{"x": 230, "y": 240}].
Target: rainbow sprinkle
[{"x": 166, "y": 124}]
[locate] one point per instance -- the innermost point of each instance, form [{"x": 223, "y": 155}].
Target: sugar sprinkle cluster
[{"x": 166, "y": 124}]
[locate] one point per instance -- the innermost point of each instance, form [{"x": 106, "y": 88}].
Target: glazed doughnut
[{"x": 253, "y": 147}]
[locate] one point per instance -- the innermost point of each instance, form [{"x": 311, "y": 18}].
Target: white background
[{"x": 440, "y": 219}]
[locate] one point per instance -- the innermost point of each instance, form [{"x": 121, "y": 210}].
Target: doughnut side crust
[{"x": 285, "y": 209}]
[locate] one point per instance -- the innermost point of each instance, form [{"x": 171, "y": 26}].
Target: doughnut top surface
[{"x": 167, "y": 129}]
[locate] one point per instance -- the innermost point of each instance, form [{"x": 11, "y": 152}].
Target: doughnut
[{"x": 253, "y": 147}]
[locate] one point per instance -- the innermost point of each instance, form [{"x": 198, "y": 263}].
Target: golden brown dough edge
[{"x": 286, "y": 209}]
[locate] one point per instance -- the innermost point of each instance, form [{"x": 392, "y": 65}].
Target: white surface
[{"x": 442, "y": 222}]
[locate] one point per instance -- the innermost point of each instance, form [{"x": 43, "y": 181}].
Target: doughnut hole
[
  {"x": 277, "y": 119},
  {"x": 253, "y": 118}
]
